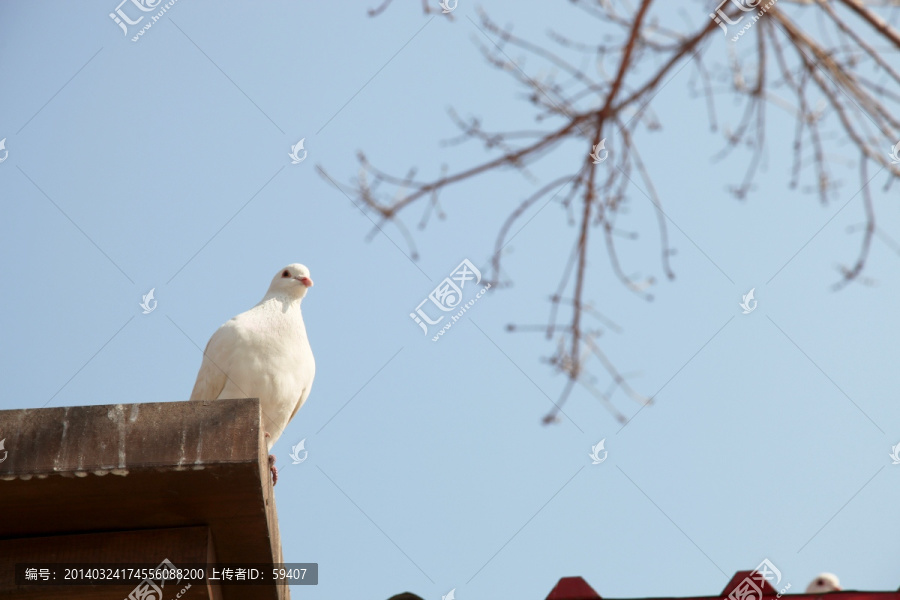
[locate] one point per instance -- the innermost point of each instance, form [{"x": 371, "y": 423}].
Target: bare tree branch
[{"x": 834, "y": 80}]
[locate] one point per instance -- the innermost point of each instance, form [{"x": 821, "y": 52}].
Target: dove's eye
[{"x": 286, "y": 273}]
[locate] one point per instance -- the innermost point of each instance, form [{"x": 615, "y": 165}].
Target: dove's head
[
  {"x": 293, "y": 280},
  {"x": 824, "y": 582}
]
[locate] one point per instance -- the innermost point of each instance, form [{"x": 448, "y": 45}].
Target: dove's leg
[
  {"x": 273, "y": 469},
  {"x": 272, "y": 464}
]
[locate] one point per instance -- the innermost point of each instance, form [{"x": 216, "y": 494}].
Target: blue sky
[{"x": 164, "y": 164}]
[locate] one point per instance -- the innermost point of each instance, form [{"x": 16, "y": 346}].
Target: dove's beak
[{"x": 305, "y": 281}]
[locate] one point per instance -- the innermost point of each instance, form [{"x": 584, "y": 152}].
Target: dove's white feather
[
  {"x": 824, "y": 583},
  {"x": 263, "y": 353}
]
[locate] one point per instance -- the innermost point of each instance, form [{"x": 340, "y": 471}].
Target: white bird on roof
[
  {"x": 824, "y": 583},
  {"x": 264, "y": 353}
]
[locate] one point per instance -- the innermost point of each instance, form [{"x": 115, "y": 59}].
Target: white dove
[
  {"x": 264, "y": 353},
  {"x": 824, "y": 582}
]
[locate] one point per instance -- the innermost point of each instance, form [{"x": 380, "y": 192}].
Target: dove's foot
[{"x": 273, "y": 469}]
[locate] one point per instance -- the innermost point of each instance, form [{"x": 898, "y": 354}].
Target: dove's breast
[{"x": 272, "y": 361}]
